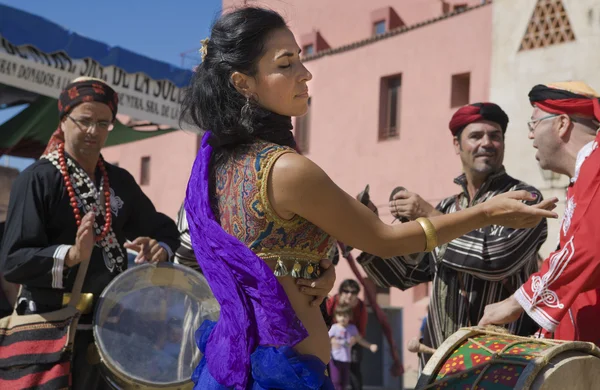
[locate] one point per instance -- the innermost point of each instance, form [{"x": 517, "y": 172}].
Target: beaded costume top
[{"x": 246, "y": 213}]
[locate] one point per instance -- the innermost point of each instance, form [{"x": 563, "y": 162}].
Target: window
[
  {"x": 302, "y": 130},
  {"x": 384, "y": 19},
  {"x": 459, "y": 7},
  {"x": 448, "y": 8},
  {"x": 312, "y": 43},
  {"x": 461, "y": 83},
  {"x": 389, "y": 107},
  {"x": 145, "y": 171},
  {"x": 379, "y": 27}
]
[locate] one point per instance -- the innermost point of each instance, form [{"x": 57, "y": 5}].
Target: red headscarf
[
  {"x": 478, "y": 112},
  {"x": 570, "y": 98}
]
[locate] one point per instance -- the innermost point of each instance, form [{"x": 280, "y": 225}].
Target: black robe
[{"x": 40, "y": 219}]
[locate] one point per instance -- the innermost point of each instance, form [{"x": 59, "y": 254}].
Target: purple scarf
[{"x": 254, "y": 307}]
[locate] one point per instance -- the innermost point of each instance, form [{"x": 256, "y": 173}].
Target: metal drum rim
[{"x": 111, "y": 368}]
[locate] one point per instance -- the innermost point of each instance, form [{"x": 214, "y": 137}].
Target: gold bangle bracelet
[{"x": 430, "y": 233}]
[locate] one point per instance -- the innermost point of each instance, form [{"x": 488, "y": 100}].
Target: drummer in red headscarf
[
  {"x": 564, "y": 296},
  {"x": 71, "y": 205}
]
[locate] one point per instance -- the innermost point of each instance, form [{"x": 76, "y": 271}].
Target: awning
[
  {"x": 27, "y": 134},
  {"x": 21, "y": 28},
  {"x": 40, "y": 57}
]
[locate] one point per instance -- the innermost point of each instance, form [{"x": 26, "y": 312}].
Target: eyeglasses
[
  {"x": 352, "y": 292},
  {"x": 87, "y": 125},
  {"x": 533, "y": 124}
]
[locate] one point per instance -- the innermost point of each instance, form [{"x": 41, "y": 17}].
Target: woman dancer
[{"x": 262, "y": 216}]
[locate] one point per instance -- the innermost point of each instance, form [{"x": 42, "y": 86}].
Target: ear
[
  {"x": 242, "y": 83},
  {"x": 62, "y": 123},
  {"x": 565, "y": 127},
  {"x": 456, "y": 142}
]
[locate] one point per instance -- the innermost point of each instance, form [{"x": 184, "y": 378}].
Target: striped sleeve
[
  {"x": 402, "y": 272},
  {"x": 58, "y": 267},
  {"x": 496, "y": 252},
  {"x": 184, "y": 255}
]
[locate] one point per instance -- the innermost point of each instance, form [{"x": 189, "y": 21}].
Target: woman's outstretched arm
[{"x": 298, "y": 186}]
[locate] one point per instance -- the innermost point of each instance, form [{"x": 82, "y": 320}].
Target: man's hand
[
  {"x": 501, "y": 313},
  {"x": 320, "y": 287},
  {"x": 148, "y": 249},
  {"x": 84, "y": 242},
  {"x": 410, "y": 205}
]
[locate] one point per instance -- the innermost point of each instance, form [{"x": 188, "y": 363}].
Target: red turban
[
  {"x": 570, "y": 98},
  {"x": 478, "y": 112}
]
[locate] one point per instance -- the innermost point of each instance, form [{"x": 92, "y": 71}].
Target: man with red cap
[
  {"x": 564, "y": 296},
  {"x": 483, "y": 266},
  {"x": 71, "y": 205}
]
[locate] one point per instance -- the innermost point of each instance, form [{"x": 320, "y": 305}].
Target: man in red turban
[
  {"x": 564, "y": 296},
  {"x": 483, "y": 266}
]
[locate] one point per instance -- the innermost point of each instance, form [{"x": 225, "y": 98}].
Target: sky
[{"x": 161, "y": 29}]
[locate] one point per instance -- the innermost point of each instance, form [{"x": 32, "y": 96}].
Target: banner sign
[{"x": 140, "y": 97}]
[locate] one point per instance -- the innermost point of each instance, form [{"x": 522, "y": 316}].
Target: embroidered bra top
[{"x": 246, "y": 213}]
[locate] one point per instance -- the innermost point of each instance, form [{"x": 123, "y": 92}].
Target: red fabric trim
[
  {"x": 464, "y": 116},
  {"x": 56, "y": 139},
  {"x": 37, "y": 379},
  {"x": 33, "y": 348},
  {"x": 586, "y": 107}
]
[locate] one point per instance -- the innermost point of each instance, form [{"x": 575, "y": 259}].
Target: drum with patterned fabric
[{"x": 482, "y": 358}]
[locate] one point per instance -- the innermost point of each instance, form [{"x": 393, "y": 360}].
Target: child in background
[{"x": 343, "y": 336}]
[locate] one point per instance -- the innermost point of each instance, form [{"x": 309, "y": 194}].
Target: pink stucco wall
[
  {"x": 344, "y": 21},
  {"x": 171, "y": 159}
]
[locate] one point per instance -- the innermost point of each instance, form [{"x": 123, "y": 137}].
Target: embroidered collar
[{"x": 581, "y": 156}]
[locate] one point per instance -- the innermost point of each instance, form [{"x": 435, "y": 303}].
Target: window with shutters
[{"x": 389, "y": 107}]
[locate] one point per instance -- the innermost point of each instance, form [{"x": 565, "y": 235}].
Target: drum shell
[{"x": 516, "y": 363}]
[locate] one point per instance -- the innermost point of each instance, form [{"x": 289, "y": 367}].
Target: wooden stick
[{"x": 415, "y": 346}]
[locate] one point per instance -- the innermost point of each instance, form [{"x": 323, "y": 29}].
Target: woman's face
[{"x": 280, "y": 82}]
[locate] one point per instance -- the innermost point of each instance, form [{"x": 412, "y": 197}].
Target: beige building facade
[{"x": 539, "y": 42}]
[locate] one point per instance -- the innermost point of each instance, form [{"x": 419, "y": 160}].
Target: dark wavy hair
[{"x": 236, "y": 44}]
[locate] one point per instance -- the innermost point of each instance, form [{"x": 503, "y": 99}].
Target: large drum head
[{"x": 145, "y": 323}]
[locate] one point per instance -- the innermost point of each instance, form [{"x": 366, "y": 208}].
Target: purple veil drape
[{"x": 254, "y": 307}]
